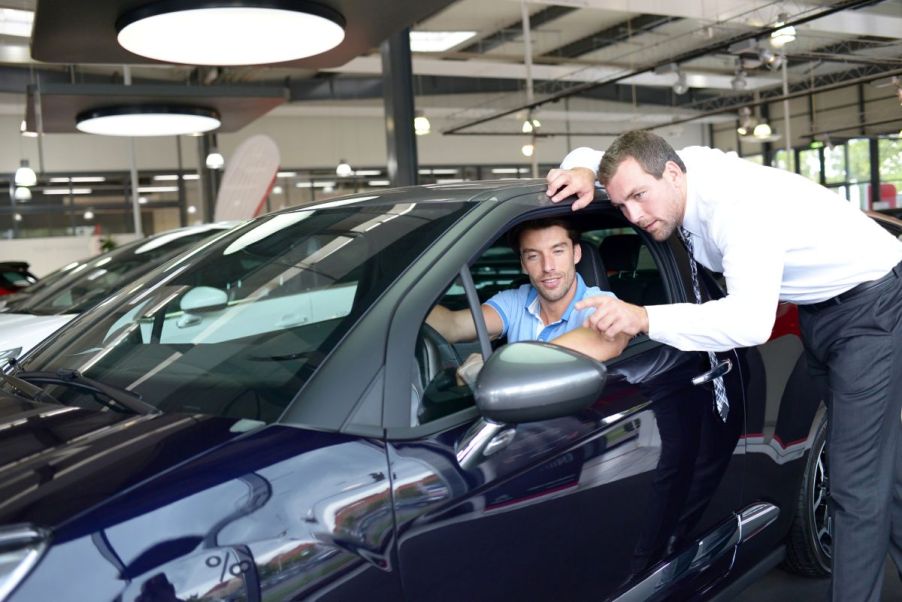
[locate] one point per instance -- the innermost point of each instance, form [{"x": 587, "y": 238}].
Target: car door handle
[{"x": 721, "y": 369}]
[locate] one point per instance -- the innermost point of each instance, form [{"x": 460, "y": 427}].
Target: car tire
[{"x": 809, "y": 545}]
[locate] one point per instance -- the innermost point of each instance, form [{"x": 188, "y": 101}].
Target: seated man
[{"x": 543, "y": 309}]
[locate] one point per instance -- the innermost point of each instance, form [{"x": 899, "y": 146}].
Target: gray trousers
[{"x": 856, "y": 346}]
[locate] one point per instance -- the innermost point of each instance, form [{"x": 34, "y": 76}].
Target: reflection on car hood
[
  {"x": 27, "y": 330},
  {"x": 57, "y": 462}
]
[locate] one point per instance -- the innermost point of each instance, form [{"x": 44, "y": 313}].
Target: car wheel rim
[{"x": 822, "y": 524}]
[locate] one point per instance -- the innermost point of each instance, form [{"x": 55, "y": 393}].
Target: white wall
[
  {"x": 47, "y": 254},
  {"x": 304, "y": 142}
]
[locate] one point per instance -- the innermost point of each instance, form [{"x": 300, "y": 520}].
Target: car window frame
[{"x": 397, "y": 424}]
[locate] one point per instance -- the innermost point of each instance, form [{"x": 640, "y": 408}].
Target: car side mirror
[
  {"x": 532, "y": 381},
  {"x": 203, "y": 298}
]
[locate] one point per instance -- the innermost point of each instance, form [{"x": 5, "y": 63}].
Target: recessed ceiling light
[
  {"x": 14, "y": 22},
  {"x": 147, "y": 120},
  {"x": 146, "y": 189},
  {"x": 437, "y": 41},
  {"x": 66, "y": 191},
  {"x": 204, "y": 32}
]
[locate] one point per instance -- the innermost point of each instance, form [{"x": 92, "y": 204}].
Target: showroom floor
[{"x": 780, "y": 585}]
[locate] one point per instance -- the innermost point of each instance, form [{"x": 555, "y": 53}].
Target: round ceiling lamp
[
  {"x": 204, "y": 32},
  {"x": 147, "y": 120}
]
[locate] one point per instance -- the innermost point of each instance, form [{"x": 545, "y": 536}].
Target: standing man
[{"x": 777, "y": 235}]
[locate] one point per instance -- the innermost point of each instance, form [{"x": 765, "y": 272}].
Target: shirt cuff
[{"x": 583, "y": 157}]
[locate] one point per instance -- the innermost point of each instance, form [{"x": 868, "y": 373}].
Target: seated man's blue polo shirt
[{"x": 520, "y": 312}]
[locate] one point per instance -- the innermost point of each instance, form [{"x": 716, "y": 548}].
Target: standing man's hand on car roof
[{"x": 579, "y": 181}]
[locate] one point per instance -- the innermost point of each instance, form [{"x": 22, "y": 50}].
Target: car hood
[
  {"x": 57, "y": 462},
  {"x": 25, "y": 330}
]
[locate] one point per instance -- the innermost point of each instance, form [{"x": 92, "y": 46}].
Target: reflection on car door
[{"x": 609, "y": 502}]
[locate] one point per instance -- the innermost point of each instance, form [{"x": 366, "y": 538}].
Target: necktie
[{"x": 721, "y": 404}]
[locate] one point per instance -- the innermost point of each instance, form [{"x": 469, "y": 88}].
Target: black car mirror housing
[{"x": 532, "y": 381}]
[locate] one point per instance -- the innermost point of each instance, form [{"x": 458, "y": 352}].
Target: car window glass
[
  {"x": 632, "y": 273},
  {"x": 437, "y": 388},
  {"x": 238, "y": 328},
  {"x": 17, "y": 279},
  {"x": 105, "y": 275}
]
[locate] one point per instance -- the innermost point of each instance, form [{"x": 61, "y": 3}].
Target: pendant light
[
  {"x": 147, "y": 120},
  {"x": 230, "y": 32},
  {"x": 25, "y": 175}
]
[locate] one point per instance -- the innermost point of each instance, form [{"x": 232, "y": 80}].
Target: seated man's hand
[
  {"x": 613, "y": 317},
  {"x": 563, "y": 183},
  {"x": 469, "y": 370}
]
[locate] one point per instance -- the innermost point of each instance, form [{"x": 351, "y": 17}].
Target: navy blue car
[{"x": 268, "y": 417}]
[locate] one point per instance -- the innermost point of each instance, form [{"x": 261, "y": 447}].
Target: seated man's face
[{"x": 549, "y": 259}]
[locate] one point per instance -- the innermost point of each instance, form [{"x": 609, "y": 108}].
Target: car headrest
[
  {"x": 591, "y": 268},
  {"x": 620, "y": 252}
]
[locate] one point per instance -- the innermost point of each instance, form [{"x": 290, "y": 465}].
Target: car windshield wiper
[
  {"x": 74, "y": 378},
  {"x": 32, "y": 392}
]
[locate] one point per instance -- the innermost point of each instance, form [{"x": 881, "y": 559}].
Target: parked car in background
[
  {"x": 28, "y": 318},
  {"x": 271, "y": 418},
  {"x": 43, "y": 283},
  {"x": 890, "y": 223},
  {"x": 14, "y": 276}
]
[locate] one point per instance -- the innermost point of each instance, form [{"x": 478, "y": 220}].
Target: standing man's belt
[{"x": 856, "y": 290}]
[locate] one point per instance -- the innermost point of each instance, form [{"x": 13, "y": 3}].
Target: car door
[{"x": 632, "y": 497}]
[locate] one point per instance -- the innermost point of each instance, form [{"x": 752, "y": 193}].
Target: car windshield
[
  {"x": 237, "y": 328},
  {"x": 90, "y": 282}
]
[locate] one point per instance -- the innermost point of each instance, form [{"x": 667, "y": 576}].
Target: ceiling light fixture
[
  {"x": 22, "y": 193},
  {"x": 784, "y": 35},
  {"x": 14, "y": 22},
  {"x": 762, "y": 130},
  {"x": 530, "y": 125},
  {"x": 204, "y": 32},
  {"x": 739, "y": 81},
  {"x": 769, "y": 59},
  {"x": 147, "y": 120},
  {"x": 89, "y": 215},
  {"x": 23, "y": 129},
  {"x": 746, "y": 122},
  {"x": 680, "y": 86},
  {"x": 528, "y": 150},
  {"x": 25, "y": 175},
  {"x": 437, "y": 41},
  {"x": 215, "y": 160},
  {"x": 343, "y": 170},
  {"x": 421, "y": 125}
]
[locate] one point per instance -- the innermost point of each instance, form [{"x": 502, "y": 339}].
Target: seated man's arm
[
  {"x": 458, "y": 325},
  {"x": 593, "y": 343}
]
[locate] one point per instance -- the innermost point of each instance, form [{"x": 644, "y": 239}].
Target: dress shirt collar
[
  {"x": 534, "y": 308},
  {"x": 691, "y": 214}
]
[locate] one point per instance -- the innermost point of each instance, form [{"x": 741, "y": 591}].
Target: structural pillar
[{"x": 397, "y": 76}]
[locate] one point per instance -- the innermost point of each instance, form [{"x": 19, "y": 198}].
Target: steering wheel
[{"x": 435, "y": 354}]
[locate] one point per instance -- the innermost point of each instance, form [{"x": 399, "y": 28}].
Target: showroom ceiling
[{"x": 617, "y": 57}]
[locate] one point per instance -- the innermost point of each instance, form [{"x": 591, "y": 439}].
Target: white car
[{"x": 28, "y": 320}]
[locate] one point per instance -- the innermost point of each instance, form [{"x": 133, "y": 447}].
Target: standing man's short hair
[
  {"x": 516, "y": 233},
  {"x": 649, "y": 150}
]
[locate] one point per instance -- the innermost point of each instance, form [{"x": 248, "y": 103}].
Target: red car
[{"x": 14, "y": 276}]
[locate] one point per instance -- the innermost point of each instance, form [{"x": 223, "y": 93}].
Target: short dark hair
[
  {"x": 513, "y": 237},
  {"x": 649, "y": 150}
]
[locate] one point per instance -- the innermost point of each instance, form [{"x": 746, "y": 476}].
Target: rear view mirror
[
  {"x": 203, "y": 298},
  {"x": 531, "y": 381}
]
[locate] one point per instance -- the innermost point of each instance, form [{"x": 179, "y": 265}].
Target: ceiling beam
[
  {"x": 515, "y": 30},
  {"x": 609, "y": 36},
  {"x": 680, "y": 58}
]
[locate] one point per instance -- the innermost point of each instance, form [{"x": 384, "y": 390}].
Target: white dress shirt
[{"x": 774, "y": 234}]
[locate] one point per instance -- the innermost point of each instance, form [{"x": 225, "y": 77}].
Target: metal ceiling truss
[{"x": 565, "y": 91}]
